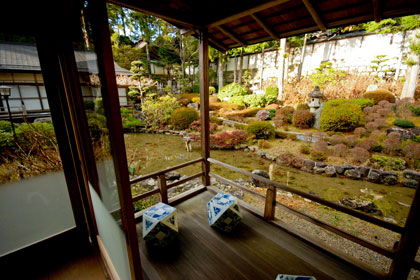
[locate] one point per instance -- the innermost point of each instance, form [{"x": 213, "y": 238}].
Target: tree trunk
[
  {"x": 302, "y": 57},
  {"x": 280, "y": 80},
  {"x": 241, "y": 62},
  {"x": 148, "y": 60},
  {"x": 220, "y": 73},
  {"x": 412, "y": 77},
  {"x": 234, "y": 69}
]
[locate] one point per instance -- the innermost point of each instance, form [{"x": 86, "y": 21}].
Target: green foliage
[
  {"x": 403, "y": 123},
  {"x": 393, "y": 25},
  {"x": 261, "y": 130},
  {"x": 379, "y": 95},
  {"x": 305, "y": 149},
  {"x": 414, "y": 109},
  {"x": 416, "y": 139},
  {"x": 230, "y": 90},
  {"x": 97, "y": 125},
  {"x": 318, "y": 155},
  {"x": 302, "y": 119},
  {"x": 378, "y": 67},
  {"x": 255, "y": 100},
  {"x": 157, "y": 112},
  {"x": 272, "y": 91},
  {"x": 183, "y": 117},
  {"x": 89, "y": 104},
  {"x": 246, "y": 77},
  {"x": 387, "y": 163},
  {"x": 125, "y": 54},
  {"x": 272, "y": 113},
  {"x": 212, "y": 90},
  {"x": 6, "y": 140},
  {"x": 5, "y": 126},
  {"x": 99, "y": 106},
  {"x": 128, "y": 120},
  {"x": 188, "y": 96},
  {"x": 287, "y": 112},
  {"x": 238, "y": 100},
  {"x": 361, "y": 102},
  {"x": 342, "y": 115},
  {"x": 302, "y": 106},
  {"x": 43, "y": 132},
  {"x": 325, "y": 74}
]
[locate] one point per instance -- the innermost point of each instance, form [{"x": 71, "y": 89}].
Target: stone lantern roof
[{"x": 316, "y": 93}]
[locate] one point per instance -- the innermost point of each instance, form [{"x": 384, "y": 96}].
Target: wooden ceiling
[{"x": 235, "y": 23}]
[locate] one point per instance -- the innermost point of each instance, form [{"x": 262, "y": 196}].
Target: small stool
[
  {"x": 160, "y": 225},
  {"x": 223, "y": 212}
]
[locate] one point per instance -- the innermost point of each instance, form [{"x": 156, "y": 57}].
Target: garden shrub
[
  {"x": 302, "y": 106},
  {"x": 368, "y": 118},
  {"x": 183, "y": 117},
  {"x": 391, "y": 146},
  {"x": 27, "y": 133},
  {"x": 403, "y": 123},
  {"x": 188, "y": 96},
  {"x": 371, "y": 126},
  {"x": 415, "y": 110},
  {"x": 382, "y": 123},
  {"x": 367, "y": 144},
  {"x": 305, "y": 149},
  {"x": 341, "y": 116},
  {"x": 302, "y": 119},
  {"x": 224, "y": 105},
  {"x": 360, "y": 131},
  {"x": 376, "y": 108},
  {"x": 387, "y": 163},
  {"x": 5, "y": 126},
  {"x": 99, "y": 106},
  {"x": 227, "y": 139},
  {"x": 6, "y": 141},
  {"x": 212, "y": 90},
  {"x": 263, "y": 144},
  {"x": 184, "y": 102},
  {"x": 336, "y": 139},
  {"x": 270, "y": 95},
  {"x": 377, "y": 134},
  {"x": 384, "y": 104},
  {"x": 255, "y": 100},
  {"x": 287, "y": 112},
  {"x": 157, "y": 112},
  {"x": 263, "y": 115},
  {"x": 318, "y": 155},
  {"x": 416, "y": 139},
  {"x": 412, "y": 151},
  {"x": 196, "y": 100},
  {"x": 216, "y": 120},
  {"x": 230, "y": 90},
  {"x": 131, "y": 122},
  {"x": 89, "y": 104},
  {"x": 321, "y": 146},
  {"x": 272, "y": 113},
  {"x": 394, "y": 135},
  {"x": 379, "y": 95},
  {"x": 97, "y": 125},
  {"x": 350, "y": 141},
  {"x": 196, "y": 125},
  {"x": 340, "y": 150},
  {"x": 238, "y": 100},
  {"x": 359, "y": 155},
  {"x": 368, "y": 110},
  {"x": 261, "y": 130},
  {"x": 187, "y": 89},
  {"x": 248, "y": 112},
  {"x": 384, "y": 112}
]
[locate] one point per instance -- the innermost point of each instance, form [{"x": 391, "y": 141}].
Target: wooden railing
[
  {"x": 162, "y": 186},
  {"x": 271, "y": 203}
]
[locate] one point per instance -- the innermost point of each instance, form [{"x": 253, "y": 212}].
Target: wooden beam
[
  {"x": 217, "y": 45},
  {"x": 314, "y": 15},
  {"x": 377, "y": 10},
  {"x": 204, "y": 103},
  {"x": 232, "y": 36},
  {"x": 265, "y": 27},
  {"x": 256, "y": 9}
]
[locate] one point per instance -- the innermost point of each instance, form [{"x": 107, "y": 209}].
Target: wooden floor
[{"x": 255, "y": 250}]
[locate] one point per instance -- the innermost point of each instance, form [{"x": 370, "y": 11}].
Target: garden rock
[
  {"x": 319, "y": 170},
  {"x": 389, "y": 178},
  {"x": 150, "y": 183},
  {"x": 43, "y": 120},
  {"x": 297, "y": 162},
  {"x": 364, "y": 171},
  {"x": 320, "y": 164},
  {"x": 374, "y": 175},
  {"x": 271, "y": 157},
  {"x": 172, "y": 176},
  {"x": 353, "y": 174},
  {"x": 258, "y": 183},
  {"x": 404, "y": 133},
  {"x": 193, "y": 105},
  {"x": 339, "y": 169},
  {"x": 330, "y": 170},
  {"x": 361, "y": 205},
  {"x": 410, "y": 174},
  {"x": 253, "y": 148},
  {"x": 412, "y": 184},
  {"x": 284, "y": 160},
  {"x": 308, "y": 165}
]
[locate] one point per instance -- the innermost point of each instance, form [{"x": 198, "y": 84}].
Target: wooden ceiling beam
[
  {"x": 314, "y": 15},
  {"x": 218, "y": 46},
  {"x": 254, "y": 10},
  {"x": 377, "y": 15},
  {"x": 232, "y": 36},
  {"x": 265, "y": 27}
]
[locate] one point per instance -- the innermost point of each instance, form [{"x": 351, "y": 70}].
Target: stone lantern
[{"x": 315, "y": 99}]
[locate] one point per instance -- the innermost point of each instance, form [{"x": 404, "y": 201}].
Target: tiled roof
[{"x": 24, "y": 57}]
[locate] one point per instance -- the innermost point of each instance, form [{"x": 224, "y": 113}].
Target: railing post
[
  {"x": 270, "y": 203},
  {"x": 163, "y": 188},
  {"x": 204, "y": 104},
  {"x": 409, "y": 242}
]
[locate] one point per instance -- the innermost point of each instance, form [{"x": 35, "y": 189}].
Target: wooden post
[
  {"x": 163, "y": 188},
  {"x": 204, "y": 104},
  {"x": 270, "y": 198},
  {"x": 409, "y": 242}
]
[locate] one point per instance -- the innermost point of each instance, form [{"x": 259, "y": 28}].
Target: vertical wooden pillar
[
  {"x": 204, "y": 104},
  {"x": 101, "y": 37},
  {"x": 270, "y": 203},
  {"x": 163, "y": 188},
  {"x": 409, "y": 243}
]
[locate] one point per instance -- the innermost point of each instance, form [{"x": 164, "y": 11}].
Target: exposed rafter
[
  {"x": 217, "y": 45},
  {"x": 254, "y": 10},
  {"x": 265, "y": 27},
  {"x": 314, "y": 15},
  {"x": 377, "y": 15},
  {"x": 232, "y": 36}
]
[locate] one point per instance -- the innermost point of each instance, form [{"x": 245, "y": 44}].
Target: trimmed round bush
[
  {"x": 412, "y": 151},
  {"x": 263, "y": 115},
  {"x": 212, "y": 90},
  {"x": 381, "y": 123},
  {"x": 403, "y": 123},
  {"x": 321, "y": 146},
  {"x": 305, "y": 149},
  {"x": 230, "y": 90},
  {"x": 376, "y": 108},
  {"x": 368, "y": 110},
  {"x": 384, "y": 112},
  {"x": 368, "y": 144},
  {"x": 359, "y": 155},
  {"x": 379, "y": 95},
  {"x": 391, "y": 145},
  {"x": 340, "y": 150},
  {"x": 261, "y": 130},
  {"x": 302, "y": 106},
  {"x": 336, "y": 139},
  {"x": 394, "y": 135},
  {"x": 360, "y": 131},
  {"x": 318, "y": 155},
  {"x": 5, "y": 126},
  {"x": 371, "y": 126},
  {"x": 376, "y": 134},
  {"x": 287, "y": 112},
  {"x": 384, "y": 103},
  {"x": 183, "y": 117},
  {"x": 302, "y": 119},
  {"x": 344, "y": 116},
  {"x": 350, "y": 141}
]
